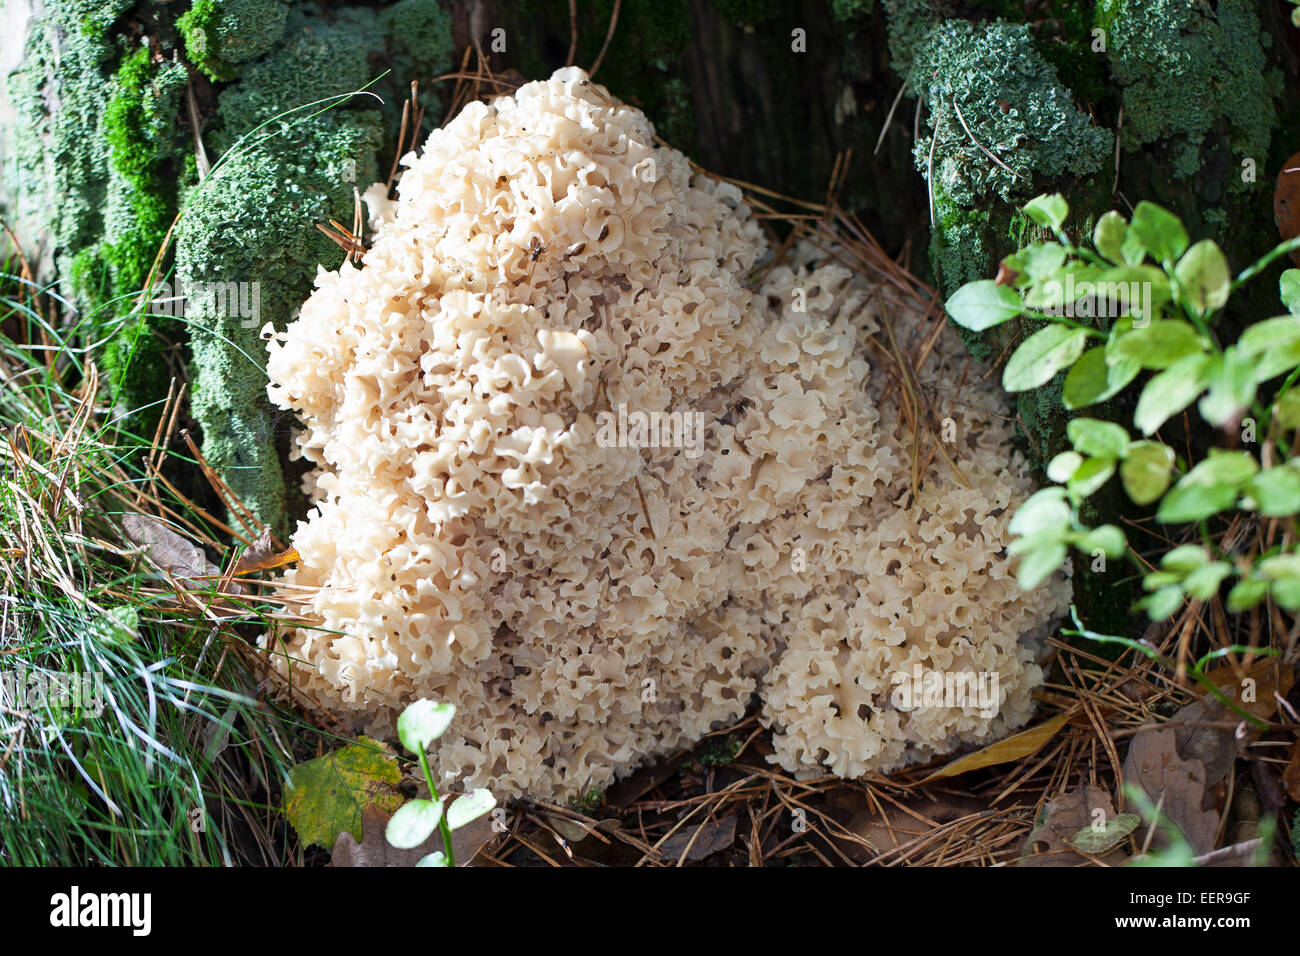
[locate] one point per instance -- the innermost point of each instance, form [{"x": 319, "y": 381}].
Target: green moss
[
  {"x": 590, "y": 801},
  {"x": 719, "y": 751},
  {"x": 1186, "y": 71},
  {"x": 142, "y": 139},
  {"x": 221, "y": 35}
]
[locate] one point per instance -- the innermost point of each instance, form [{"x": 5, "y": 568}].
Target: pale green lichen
[
  {"x": 1184, "y": 68},
  {"x": 253, "y": 220},
  {"x": 987, "y": 88},
  {"x": 221, "y": 35}
]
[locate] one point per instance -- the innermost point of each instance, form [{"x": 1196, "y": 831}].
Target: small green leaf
[
  {"x": 1107, "y": 538},
  {"x": 1062, "y": 468},
  {"x": 1041, "y": 356},
  {"x": 1208, "y": 488},
  {"x": 1091, "y": 436},
  {"x": 423, "y": 722},
  {"x": 983, "y": 304},
  {"x": 1286, "y": 409},
  {"x": 1133, "y": 251},
  {"x": 1109, "y": 236},
  {"x": 432, "y": 859},
  {"x": 1160, "y": 579},
  {"x": 470, "y": 807},
  {"x": 1233, "y": 468},
  {"x": 1097, "y": 841},
  {"x": 1275, "y": 492},
  {"x": 1203, "y": 277},
  {"x": 1048, "y": 210},
  {"x": 1273, "y": 346},
  {"x": 1283, "y": 574},
  {"x": 1041, "y": 511},
  {"x": 1232, "y": 388},
  {"x": 1185, "y": 559},
  {"x": 1038, "y": 260},
  {"x": 1270, "y": 334},
  {"x": 1171, "y": 391},
  {"x": 1061, "y": 294},
  {"x": 1138, "y": 290},
  {"x": 1038, "y": 565},
  {"x": 1145, "y": 471},
  {"x": 1090, "y": 476},
  {"x": 1163, "y": 603},
  {"x": 1245, "y": 594},
  {"x": 1157, "y": 345},
  {"x": 1289, "y": 284},
  {"x": 1203, "y": 583},
  {"x": 1194, "y": 502},
  {"x": 1091, "y": 380},
  {"x": 413, "y": 823},
  {"x": 1160, "y": 232}
]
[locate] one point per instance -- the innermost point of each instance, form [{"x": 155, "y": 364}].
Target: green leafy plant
[
  {"x": 1142, "y": 299},
  {"x": 423, "y": 722}
]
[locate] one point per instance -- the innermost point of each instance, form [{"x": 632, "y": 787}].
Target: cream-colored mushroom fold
[{"x": 573, "y": 474}]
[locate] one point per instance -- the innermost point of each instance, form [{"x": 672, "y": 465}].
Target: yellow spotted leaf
[{"x": 328, "y": 795}]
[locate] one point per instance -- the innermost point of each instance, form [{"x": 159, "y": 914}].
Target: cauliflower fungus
[{"x": 575, "y": 476}]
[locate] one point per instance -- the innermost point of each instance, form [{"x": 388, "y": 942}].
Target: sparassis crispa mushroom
[{"x": 497, "y": 523}]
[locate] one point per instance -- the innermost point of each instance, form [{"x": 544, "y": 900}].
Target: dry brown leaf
[
  {"x": 1015, "y": 747},
  {"x": 1254, "y": 689},
  {"x": 1177, "y": 785},
  {"x": 891, "y": 827},
  {"x": 261, "y": 555},
  {"x": 1050, "y": 841},
  {"x": 1291, "y": 775},
  {"x": 1286, "y": 202},
  {"x": 167, "y": 549},
  {"x": 705, "y": 840},
  {"x": 375, "y": 850}
]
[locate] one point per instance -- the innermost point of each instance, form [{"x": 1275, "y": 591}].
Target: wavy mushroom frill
[{"x": 574, "y": 475}]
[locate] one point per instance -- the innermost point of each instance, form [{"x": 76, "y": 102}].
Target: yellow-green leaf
[
  {"x": 327, "y": 795},
  {"x": 1015, "y": 747}
]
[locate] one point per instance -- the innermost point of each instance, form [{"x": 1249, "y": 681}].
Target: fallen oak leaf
[
  {"x": 888, "y": 827},
  {"x": 179, "y": 559},
  {"x": 1255, "y": 688},
  {"x": 328, "y": 795},
  {"x": 1286, "y": 202},
  {"x": 1006, "y": 750},
  {"x": 696, "y": 843},
  {"x": 1175, "y": 784}
]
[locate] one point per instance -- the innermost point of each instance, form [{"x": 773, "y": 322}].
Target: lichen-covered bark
[{"x": 105, "y": 160}]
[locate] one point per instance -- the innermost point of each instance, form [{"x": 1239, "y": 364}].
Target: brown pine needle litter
[{"x": 720, "y": 803}]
